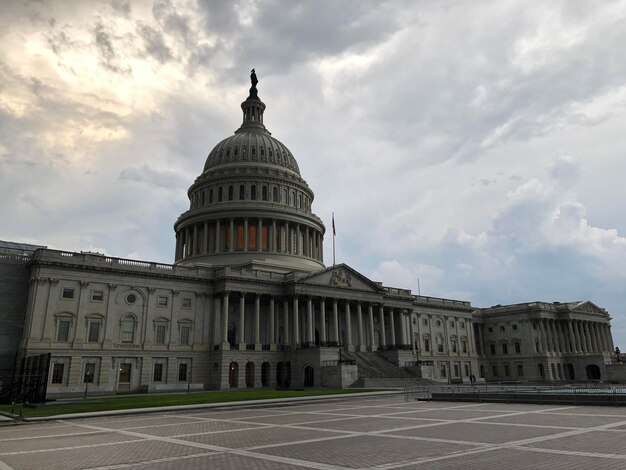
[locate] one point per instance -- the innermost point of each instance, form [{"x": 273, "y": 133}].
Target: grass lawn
[{"x": 147, "y": 401}]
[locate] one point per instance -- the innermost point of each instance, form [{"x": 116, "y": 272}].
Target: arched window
[
  {"x": 264, "y": 193},
  {"x": 211, "y": 196},
  {"x": 285, "y": 200},
  {"x": 231, "y": 194},
  {"x": 236, "y": 149},
  {"x": 292, "y": 196},
  {"x": 219, "y": 194},
  {"x": 242, "y": 192},
  {"x": 275, "y": 195},
  {"x": 299, "y": 201},
  {"x": 203, "y": 193},
  {"x": 128, "y": 329},
  {"x": 253, "y": 192}
]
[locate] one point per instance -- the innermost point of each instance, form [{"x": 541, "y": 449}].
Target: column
[
  {"x": 381, "y": 325},
  {"x": 349, "y": 346},
  {"x": 286, "y": 322},
  {"x": 233, "y": 239},
  {"x": 296, "y": 323},
  {"x": 579, "y": 344},
  {"x": 403, "y": 318},
  {"x": 307, "y": 243},
  {"x": 607, "y": 337},
  {"x": 585, "y": 337},
  {"x": 218, "y": 241},
  {"x": 322, "y": 321},
  {"x": 359, "y": 319},
  {"x": 572, "y": 339},
  {"x": 177, "y": 253},
  {"x": 195, "y": 240},
  {"x": 273, "y": 237},
  {"x": 242, "y": 321},
  {"x": 245, "y": 234},
  {"x": 225, "y": 345},
  {"x": 309, "y": 320},
  {"x": 370, "y": 314},
  {"x": 335, "y": 323},
  {"x": 257, "y": 322},
  {"x": 594, "y": 339},
  {"x": 596, "y": 331},
  {"x": 272, "y": 325},
  {"x": 392, "y": 327},
  {"x": 555, "y": 336},
  {"x": 217, "y": 310},
  {"x": 542, "y": 335}
]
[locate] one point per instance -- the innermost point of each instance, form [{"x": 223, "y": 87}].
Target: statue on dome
[{"x": 254, "y": 81}]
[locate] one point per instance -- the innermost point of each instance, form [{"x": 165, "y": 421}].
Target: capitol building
[{"x": 249, "y": 303}]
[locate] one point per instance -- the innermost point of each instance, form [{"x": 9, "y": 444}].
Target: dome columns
[{"x": 248, "y": 235}]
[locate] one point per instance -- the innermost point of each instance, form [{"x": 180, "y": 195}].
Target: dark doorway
[
  {"x": 250, "y": 375},
  {"x": 542, "y": 371},
  {"x": 317, "y": 337},
  {"x": 233, "y": 375},
  {"x": 265, "y": 374},
  {"x": 570, "y": 371},
  {"x": 280, "y": 374},
  {"x": 309, "y": 376},
  {"x": 593, "y": 372}
]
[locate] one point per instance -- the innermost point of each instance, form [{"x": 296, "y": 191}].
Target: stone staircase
[{"x": 376, "y": 371}]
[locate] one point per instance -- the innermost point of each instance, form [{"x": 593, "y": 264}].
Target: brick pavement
[{"x": 350, "y": 433}]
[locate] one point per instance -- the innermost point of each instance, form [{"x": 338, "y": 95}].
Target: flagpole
[{"x": 333, "y": 238}]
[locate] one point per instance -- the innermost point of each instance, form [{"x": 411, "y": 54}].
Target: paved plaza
[{"x": 348, "y": 433}]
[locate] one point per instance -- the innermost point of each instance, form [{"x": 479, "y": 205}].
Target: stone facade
[{"x": 249, "y": 303}]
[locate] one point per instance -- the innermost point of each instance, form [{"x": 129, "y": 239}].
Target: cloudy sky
[{"x": 478, "y": 146}]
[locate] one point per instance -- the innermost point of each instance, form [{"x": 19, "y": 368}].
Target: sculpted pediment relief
[
  {"x": 589, "y": 307},
  {"x": 342, "y": 277}
]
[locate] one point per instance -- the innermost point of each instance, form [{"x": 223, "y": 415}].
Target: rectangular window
[
  {"x": 426, "y": 345},
  {"x": 160, "y": 334},
  {"x": 514, "y": 327},
  {"x": 494, "y": 370},
  {"x": 505, "y": 348},
  {"x": 93, "y": 335},
  {"x": 162, "y": 301},
  {"x": 158, "y": 373},
  {"x": 507, "y": 371},
  {"x": 464, "y": 346},
  {"x": 451, "y": 324},
  {"x": 518, "y": 348},
  {"x": 63, "y": 333},
  {"x": 184, "y": 335},
  {"x": 57, "y": 373},
  {"x": 97, "y": 296},
  {"x": 453, "y": 346},
  {"x": 520, "y": 370},
  {"x": 425, "y": 322},
  {"x": 492, "y": 349},
  {"x": 440, "y": 348},
  {"x": 67, "y": 293},
  {"x": 467, "y": 370},
  {"x": 186, "y": 302},
  {"x": 90, "y": 373},
  {"x": 501, "y": 328},
  {"x": 182, "y": 372},
  {"x": 456, "y": 370},
  {"x": 443, "y": 371},
  {"x": 490, "y": 330}
]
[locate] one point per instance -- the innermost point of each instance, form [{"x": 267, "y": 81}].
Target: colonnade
[
  {"x": 574, "y": 336},
  {"x": 307, "y": 321},
  {"x": 249, "y": 234}
]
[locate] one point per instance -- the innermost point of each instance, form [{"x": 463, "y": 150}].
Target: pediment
[
  {"x": 589, "y": 307},
  {"x": 342, "y": 276}
]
